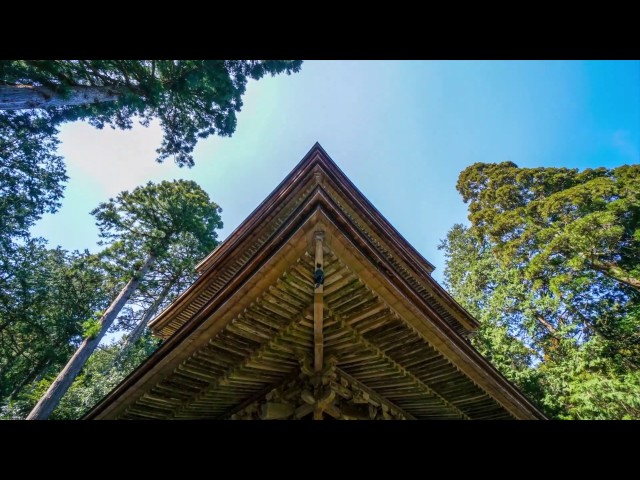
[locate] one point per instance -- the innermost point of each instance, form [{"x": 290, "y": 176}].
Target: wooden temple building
[{"x": 315, "y": 308}]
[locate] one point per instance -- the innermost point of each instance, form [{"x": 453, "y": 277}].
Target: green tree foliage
[
  {"x": 105, "y": 369},
  {"x": 42, "y": 299},
  {"x": 139, "y": 228},
  {"x": 494, "y": 296},
  {"x": 559, "y": 219},
  {"x": 550, "y": 267},
  {"x": 31, "y": 174},
  {"x": 191, "y": 99},
  {"x": 150, "y": 218},
  {"x": 47, "y": 295},
  {"x": 109, "y": 365}
]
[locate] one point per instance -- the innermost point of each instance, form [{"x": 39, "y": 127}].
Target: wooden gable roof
[{"x": 245, "y": 329}]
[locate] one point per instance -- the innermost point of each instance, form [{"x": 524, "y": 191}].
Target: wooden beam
[{"x": 318, "y": 340}]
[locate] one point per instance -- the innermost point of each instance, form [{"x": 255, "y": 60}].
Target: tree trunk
[
  {"x": 19, "y": 97},
  {"x": 65, "y": 378},
  {"x": 137, "y": 331},
  {"x": 551, "y": 329}
]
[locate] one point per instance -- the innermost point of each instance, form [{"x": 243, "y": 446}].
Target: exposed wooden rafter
[{"x": 396, "y": 367}]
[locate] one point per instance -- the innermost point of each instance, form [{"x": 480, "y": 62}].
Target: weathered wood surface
[{"x": 387, "y": 361}]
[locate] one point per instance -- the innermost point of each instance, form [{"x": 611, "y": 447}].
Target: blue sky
[{"x": 401, "y": 131}]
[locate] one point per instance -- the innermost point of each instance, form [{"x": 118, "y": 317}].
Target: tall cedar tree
[
  {"x": 145, "y": 223},
  {"x": 550, "y": 265},
  {"x": 110, "y": 364}
]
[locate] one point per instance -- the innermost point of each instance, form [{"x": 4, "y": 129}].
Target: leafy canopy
[
  {"x": 557, "y": 218},
  {"x": 549, "y": 266},
  {"x": 149, "y": 218},
  {"x": 191, "y": 99}
]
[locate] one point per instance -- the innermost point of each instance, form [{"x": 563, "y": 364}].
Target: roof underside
[{"x": 245, "y": 328}]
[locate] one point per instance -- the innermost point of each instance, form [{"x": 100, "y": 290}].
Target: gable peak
[{"x": 317, "y": 159}]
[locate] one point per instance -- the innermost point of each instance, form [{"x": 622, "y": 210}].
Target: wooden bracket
[{"x": 318, "y": 338}]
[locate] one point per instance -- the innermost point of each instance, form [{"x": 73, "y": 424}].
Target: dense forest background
[{"x": 549, "y": 263}]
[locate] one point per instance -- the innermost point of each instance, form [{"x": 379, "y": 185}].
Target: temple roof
[{"x": 245, "y": 328}]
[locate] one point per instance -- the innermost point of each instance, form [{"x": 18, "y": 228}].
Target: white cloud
[{"x": 118, "y": 160}]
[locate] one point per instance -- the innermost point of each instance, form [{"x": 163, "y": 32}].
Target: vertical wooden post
[{"x": 318, "y": 338}]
